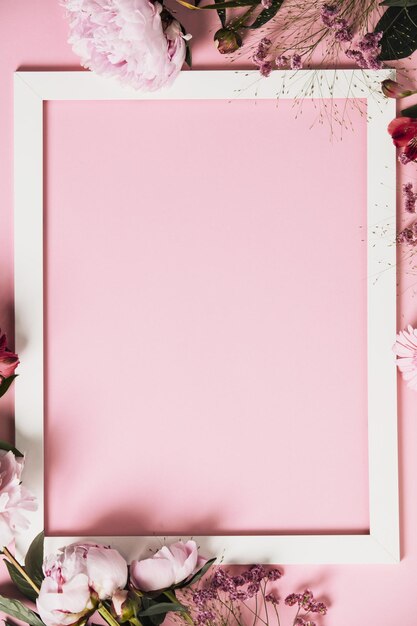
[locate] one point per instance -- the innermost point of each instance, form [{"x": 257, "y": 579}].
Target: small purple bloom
[
  {"x": 296, "y": 62},
  {"x": 410, "y": 198},
  {"x": 270, "y": 597}
]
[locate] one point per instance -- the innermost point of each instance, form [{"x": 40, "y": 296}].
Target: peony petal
[
  {"x": 107, "y": 571},
  {"x": 152, "y": 574}
]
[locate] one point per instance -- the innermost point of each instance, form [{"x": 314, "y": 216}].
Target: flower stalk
[{"x": 20, "y": 569}]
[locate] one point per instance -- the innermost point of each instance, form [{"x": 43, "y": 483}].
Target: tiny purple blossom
[
  {"x": 270, "y": 597},
  {"x": 266, "y": 68},
  {"x": 410, "y": 198},
  {"x": 296, "y": 62},
  {"x": 274, "y": 574},
  {"x": 282, "y": 61},
  {"x": 266, "y": 4}
]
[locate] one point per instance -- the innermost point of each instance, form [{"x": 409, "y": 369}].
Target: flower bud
[
  {"x": 227, "y": 40},
  {"x": 392, "y": 89}
]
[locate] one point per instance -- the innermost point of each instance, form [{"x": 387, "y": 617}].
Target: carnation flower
[
  {"x": 406, "y": 350},
  {"x": 137, "y": 41},
  {"x": 13, "y": 497}
]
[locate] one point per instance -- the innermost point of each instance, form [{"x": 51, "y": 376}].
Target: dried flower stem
[{"x": 20, "y": 569}]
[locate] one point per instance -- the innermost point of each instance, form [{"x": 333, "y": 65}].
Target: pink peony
[
  {"x": 8, "y": 360},
  {"x": 13, "y": 497},
  {"x": 76, "y": 579},
  {"x": 135, "y": 40},
  {"x": 169, "y": 566},
  {"x": 406, "y": 350}
]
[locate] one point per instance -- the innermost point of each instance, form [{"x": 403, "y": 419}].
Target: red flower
[
  {"x": 8, "y": 360},
  {"x": 403, "y": 131}
]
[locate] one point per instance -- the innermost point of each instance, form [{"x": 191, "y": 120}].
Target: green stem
[
  {"x": 20, "y": 569},
  {"x": 107, "y": 616}
]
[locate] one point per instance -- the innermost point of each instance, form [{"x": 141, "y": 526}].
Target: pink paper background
[
  {"x": 33, "y": 35},
  {"x": 221, "y": 287}
]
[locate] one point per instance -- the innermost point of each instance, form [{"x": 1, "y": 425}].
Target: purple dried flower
[
  {"x": 274, "y": 574},
  {"x": 357, "y": 56},
  {"x": 296, "y": 62},
  {"x": 344, "y": 33},
  {"x": 238, "y": 581},
  {"x": 318, "y": 607},
  {"x": 266, "y": 68},
  {"x": 258, "y": 572},
  {"x": 265, "y": 43},
  {"x": 410, "y": 198},
  {"x": 370, "y": 42},
  {"x": 374, "y": 63},
  {"x": 299, "y": 622},
  {"x": 270, "y": 597},
  {"x": 408, "y": 236},
  {"x": 292, "y": 599},
  {"x": 203, "y": 617},
  {"x": 253, "y": 589},
  {"x": 328, "y": 13},
  {"x": 266, "y": 4},
  {"x": 281, "y": 61}
]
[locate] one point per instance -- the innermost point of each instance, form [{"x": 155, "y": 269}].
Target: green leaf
[
  {"x": 6, "y": 446},
  {"x": 197, "y": 575},
  {"x": 16, "y": 609},
  {"x": 267, "y": 14},
  {"x": 34, "y": 560},
  {"x": 410, "y": 111},
  {"x": 221, "y": 13},
  {"x": 20, "y": 582},
  {"x": 230, "y": 4},
  {"x": 5, "y": 384},
  {"x": 161, "y": 608},
  {"x": 399, "y": 26},
  {"x": 398, "y": 3}
]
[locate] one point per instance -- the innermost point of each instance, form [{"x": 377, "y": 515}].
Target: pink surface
[
  {"x": 222, "y": 319},
  {"x": 33, "y": 34}
]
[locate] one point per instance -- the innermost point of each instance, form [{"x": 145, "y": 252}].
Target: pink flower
[
  {"x": 14, "y": 498},
  {"x": 76, "y": 579},
  {"x": 169, "y": 566},
  {"x": 8, "y": 360},
  {"x": 136, "y": 41},
  {"x": 406, "y": 350}
]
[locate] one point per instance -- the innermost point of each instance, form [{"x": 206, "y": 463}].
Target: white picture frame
[{"x": 32, "y": 89}]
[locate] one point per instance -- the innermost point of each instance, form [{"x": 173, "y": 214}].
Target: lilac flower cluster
[
  {"x": 265, "y": 65},
  {"x": 329, "y": 16},
  {"x": 306, "y": 602},
  {"x": 260, "y": 56},
  {"x": 408, "y": 235},
  {"x": 410, "y": 198},
  {"x": 223, "y": 587},
  {"x": 367, "y": 51}
]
